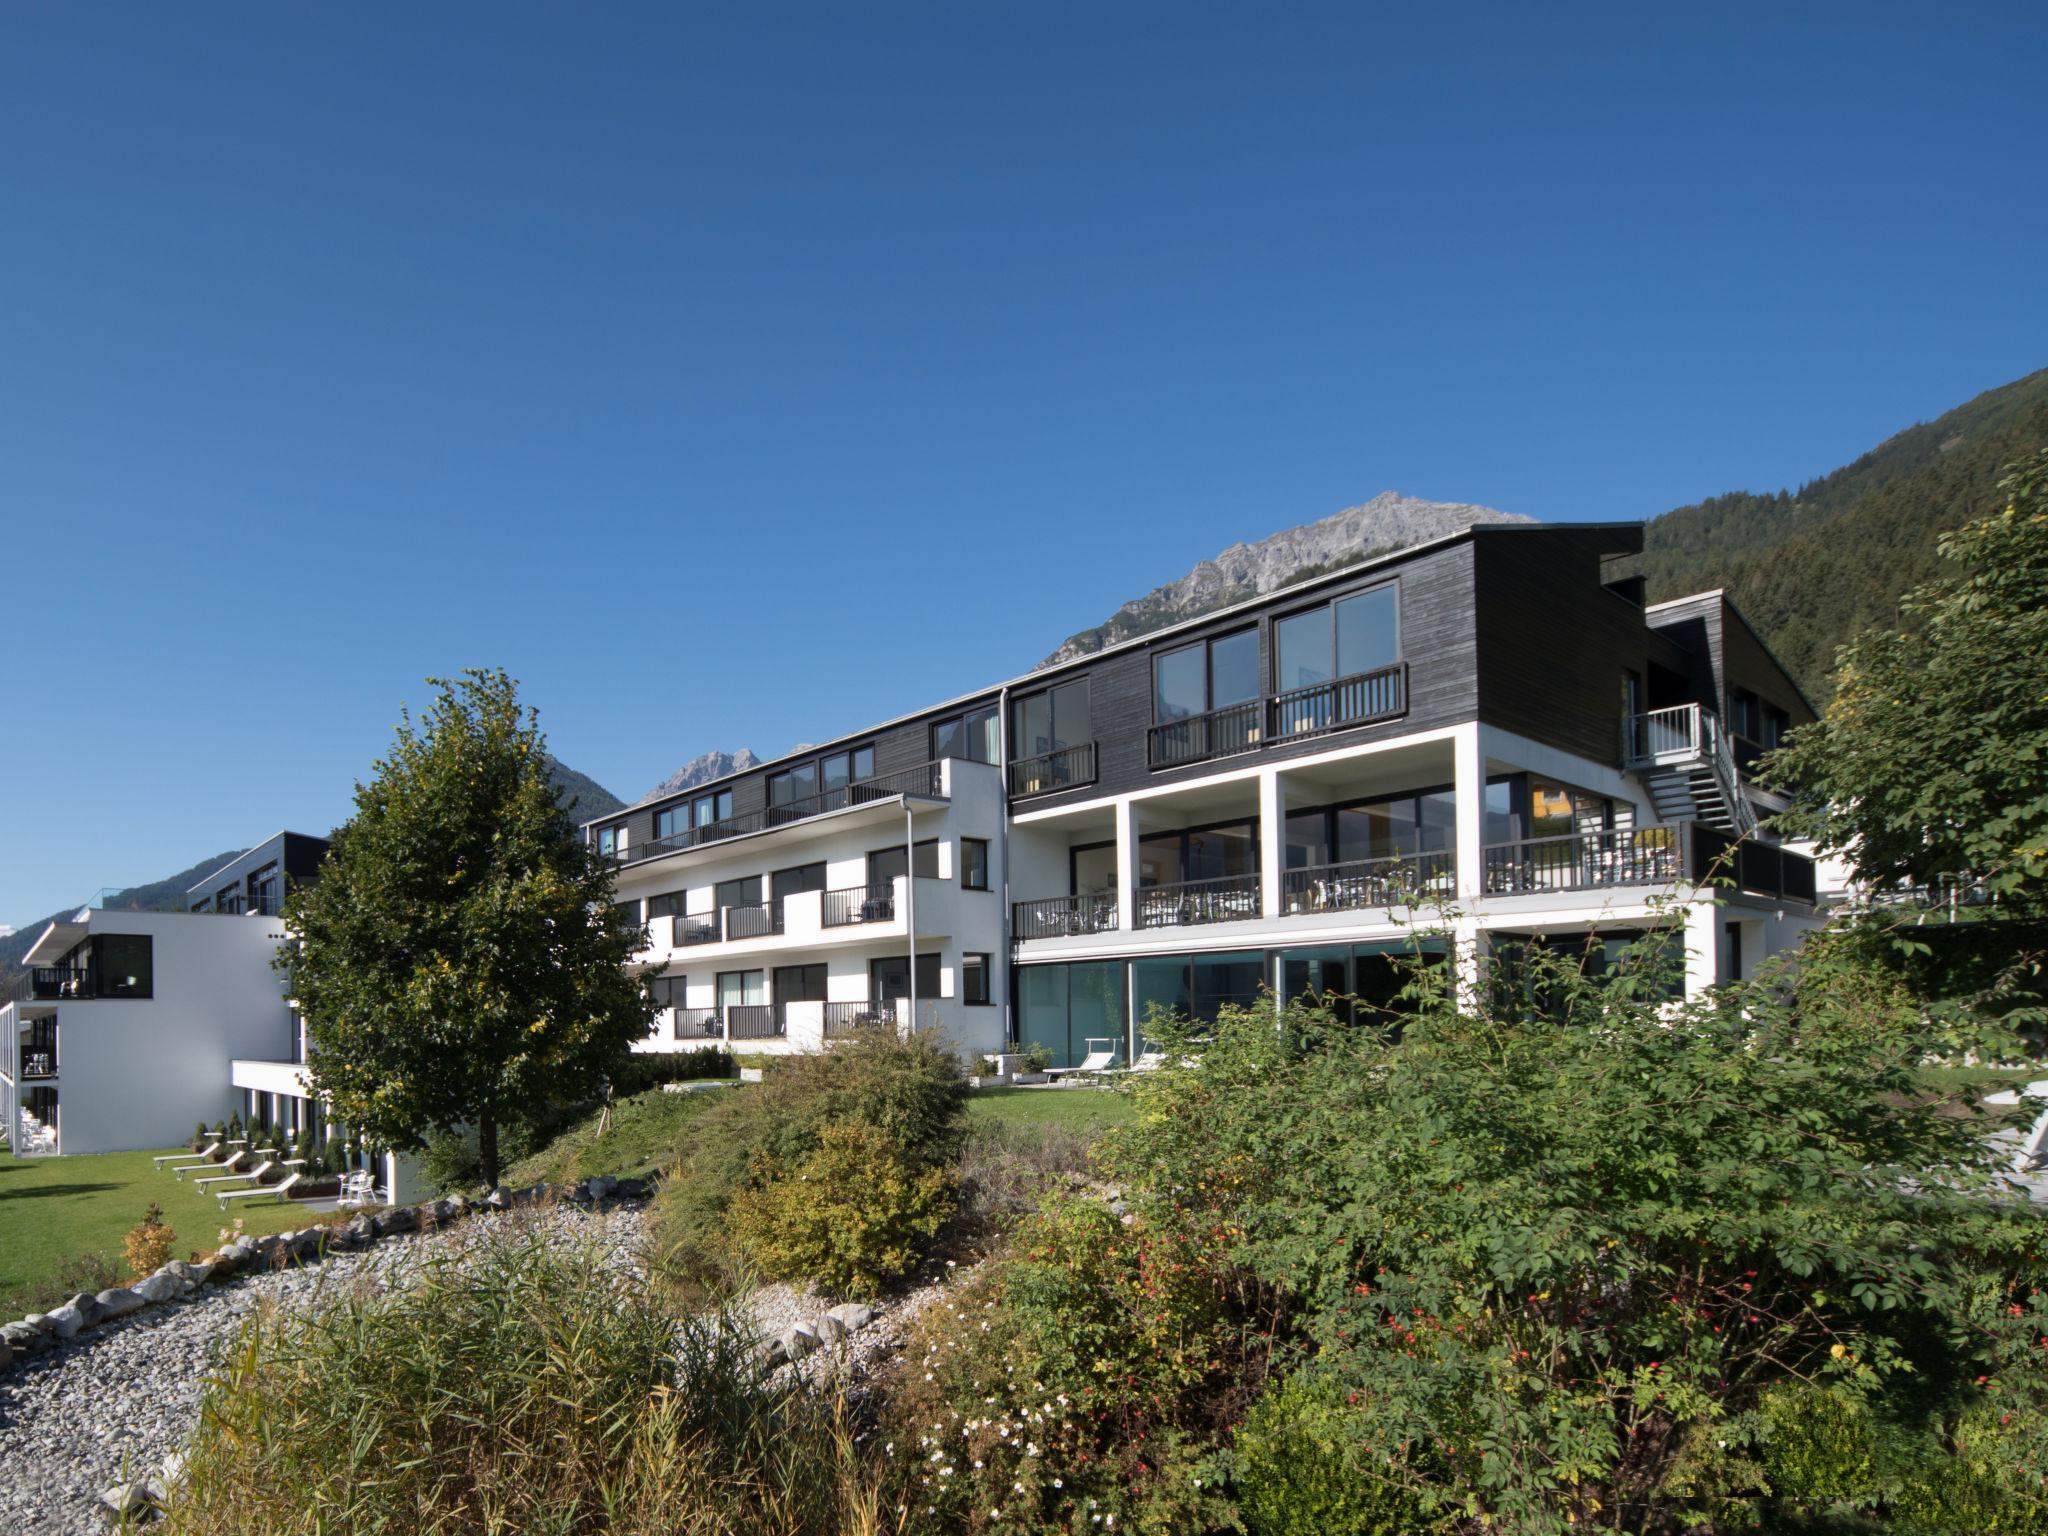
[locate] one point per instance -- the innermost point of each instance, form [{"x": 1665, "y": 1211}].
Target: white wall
[{"x": 142, "y": 1072}]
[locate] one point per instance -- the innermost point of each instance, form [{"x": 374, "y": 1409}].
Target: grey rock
[
  {"x": 852, "y": 1315},
  {"x": 829, "y": 1329},
  {"x": 601, "y": 1186},
  {"x": 799, "y": 1341},
  {"x": 400, "y": 1218},
  {"x": 128, "y": 1498},
  {"x": 773, "y": 1354},
  {"x": 40, "y": 1321},
  {"x": 631, "y": 1189},
  {"x": 19, "y": 1334},
  {"x": 580, "y": 1194},
  {"x": 496, "y": 1200},
  {"x": 190, "y": 1271},
  {"x": 446, "y": 1211},
  {"x": 173, "y": 1469},
  {"x": 67, "y": 1320},
  {"x": 359, "y": 1231},
  {"x": 161, "y": 1286},
  {"x": 88, "y": 1306},
  {"x": 458, "y": 1204},
  {"x": 307, "y": 1244},
  {"x": 119, "y": 1301}
]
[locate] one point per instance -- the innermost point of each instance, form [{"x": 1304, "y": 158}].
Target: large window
[
  {"x": 974, "y": 863},
  {"x": 126, "y": 964},
  {"x": 885, "y": 864},
  {"x": 785, "y": 883},
  {"x": 743, "y": 892},
  {"x": 974, "y": 980},
  {"x": 1194, "y": 989},
  {"x": 708, "y": 810},
  {"x": 1198, "y": 853},
  {"x": 671, "y": 821},
  {"x": 799, "y": 984},
  {"x": 1051, "y": 719},
  {"x": 667, "y": 904},
  {"x": 792, "y": 784},
  {"x": 1206, "y": 675},
  {"x": 1354, "y": 634},
  {"x": 1360, "y": 982},
  {"x": 824, "y": 780},
  {"x": 889, "y": 977},
  {"x": 1094, "y": 868},
  {"x": 740, "y": 988},
  {"x": 1064, "y": 1007},
  {"x": 973, "y": 735},
  {"x": 669, "y": 991}
]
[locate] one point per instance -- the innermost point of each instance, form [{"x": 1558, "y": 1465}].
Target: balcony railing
[
  {"x": 1056, "y": 917},
  {"x": 1400, "y": 881},
  {"x": 1221, "y": 732},
  {"x": 39, "y": 1064},
  {"x": 1662, "y": 736},
  {"x": 1049, "y": 772},
  {"x": 1763, "y": 869},
  {"x": 858, "y": 904},
  {"x": 696, "y": 928},
  {"x": 48, "y": 982},
  {"x": 1344, "y": 702},
  {"x": 754, "y": 922},
  {"x": 847, "y": 1018},
  {"x": 752, "y": 1021},
  {"x": 1586, "y": 861},
  {"x": 926, "y": 781},
  {"x": 1229, "y": 899},
  {"x": 696, "y": 1024}
]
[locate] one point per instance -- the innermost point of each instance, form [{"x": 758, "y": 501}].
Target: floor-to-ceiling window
[
  {"x": 1064, "y": 1007},
  {"x": 1194, "y": 988}
]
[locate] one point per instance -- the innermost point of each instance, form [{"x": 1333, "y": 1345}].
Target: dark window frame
[
  {"x": 991, "y": 711},
  {"x": 1017, "y": 742},
  {"x": 1208, "y": 646},
  {"x": 1330, "y": 600},
  {"x": 986, "y": 970},
  {"x": 967, "y": 864},
  {"x": 890, "y": 849}
]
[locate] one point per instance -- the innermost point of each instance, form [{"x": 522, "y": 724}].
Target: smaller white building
[{"x": 117, "y": 1037}]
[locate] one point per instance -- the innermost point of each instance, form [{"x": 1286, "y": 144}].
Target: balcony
[
  {"x": 38, "y": 1064},
  {"x": 1056, "y": 917},
  {"x": 47, "y": 983},
  {"x": 1757, "y": 868},
  {"x": 1228, "y": 899},
  {"x": 843, "y": 1019},
  {"x": 696, "y": 928},
  {"x": 753, "y": 1021},
  {"x": 697, "y": 1024},
  {"x": 1221, "y": 732},
  {"x": 854, "y": 904},
  {"x": 1360, "y": 884},
  {"x": 925, "y": 781},
  {"x": 1365, "y": 698},
  {"x": 760, "y": 921},
  {"x": 1050, "y": 772},
  {"x": 1586, "y": 861}
]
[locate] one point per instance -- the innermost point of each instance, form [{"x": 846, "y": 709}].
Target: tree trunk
[{"x": 487, "y": 1147}]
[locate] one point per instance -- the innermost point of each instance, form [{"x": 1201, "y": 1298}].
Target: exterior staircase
[{"x": 1682, "y": 756}]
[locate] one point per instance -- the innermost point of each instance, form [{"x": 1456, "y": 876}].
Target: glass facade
[
  {"x": 126, "y": 964},
  {"x": 1051, "y": 719},
  {"x": 1198, "y": 853},
  {"x": 974, "y": 736},
  {"x": 1063, "y": 1007},
  {"x": 1355, "y": 634}
]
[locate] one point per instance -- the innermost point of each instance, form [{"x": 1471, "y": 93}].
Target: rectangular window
[
  {"x": 708, "y": 810},
  {"x": 1071, "y": 1009},
  {"x": 1353, "y": 635},
  {"x": 1094, "y": 869},
  {"x": 743, "y": 892},
  {"x": 800, "y": 984},
  {"x": 974, "y": 982},
  {"x": 668, "y": 991},
  {"x": 885, "y": 864},
  {"x": 1777, "y": 726},
  {"x": 671, "y": 821},
  {"x": 1207, "y": 675},
  {"x": 1746, "y": 714},
  {"x": 607, "y": 844},
  {"x": 740, "y": 988},
  {"x": 1051, "y": 719},
  {"x": 1202, "y": 853},
  {"x": 974, "y": 863},
  {"x": 667, "y": 904},
  {"x": 890, "y": 977},
  {"x": 785, "y": 883},
  {"x": 125, "y": 963},
  {"x": 793, "y": 785},
  {"x": 631, "y": 908},
  {"x": 972, "y": 735}
]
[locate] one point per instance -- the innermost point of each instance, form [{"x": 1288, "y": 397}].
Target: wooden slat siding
[
  {"x": 903, "y": 745},
  {"x": 1437, "y": 643},
  {"x": 1695, "y": 626},
  {"x": 1554, "y": 642},
  {"x": 1745, "y": 663}
]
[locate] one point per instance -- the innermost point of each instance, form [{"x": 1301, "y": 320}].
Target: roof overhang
[{"x": 56, "y": 941}]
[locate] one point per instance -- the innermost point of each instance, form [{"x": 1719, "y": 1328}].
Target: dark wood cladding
[
  {"x": 1725, "y": 654},
  {"x": 903, "y": 745},
  {"x": 1555, "y": 643}
]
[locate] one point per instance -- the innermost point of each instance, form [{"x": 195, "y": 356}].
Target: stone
[
  {"x": 307, "y": 1244},
  {"x": 601, "y": 1186},
  {"x": 22, "y": 1336},
  {"x": 358, "y": 1231},
  {"x": 159, "y": 1287},
  {"x": 128, "y": 1498},
  {"x": 40, "y": 1321},
  {"x": 852, "y": 1315},
  {"x": 448, "y": 1210},
  {"x": 88, "y": 1307},
  {"x": 496, "y": 1200},
  {"x": 191, "y": 1272},
  {"x": 579, "y": 1194},
  {"x": 119, "y": 1301},
  {"x": 829, "y": 1329},
  {"x": 400, "y": 1218},
  {"x": 458, "y": 1204},
  {"x": 799, "y": 1341},
  {"x": 174, "y": 1469},
  {"x": 66, "y": 1321},
  {"x": 773, "y": 1354},
  {"x": 631, "y": 1189}
]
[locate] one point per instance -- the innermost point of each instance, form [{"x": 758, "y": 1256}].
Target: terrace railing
[
  {"x": 759, "y": 921},
  {"x": 1049, "y": 772},
  {"x": 1221, "y": 732},
  {"x": 1403, "y": 880},
  {"x": 697, "y": 928},
  {"x": 847, "y": 1018},
  {"x": 697, "y": 1024},
  {"x": 1586, "y": 861},
  {"x": 858, "y": 904},
  {"x": 1228, "y": 899},
  {"x": 925, "y": 781},
  {"x": 752, "y": 1021},
  {"x": 1341, "y": 703},
  {"x": 1058, "y": 916}
]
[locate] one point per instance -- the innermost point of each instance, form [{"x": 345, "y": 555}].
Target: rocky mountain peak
[{"x": 702, "y": 769}]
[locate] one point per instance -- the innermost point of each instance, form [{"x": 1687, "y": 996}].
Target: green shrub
[
  {"x": 644, "y": 1070},
  {"x": 1299, "y": 1472},
  {"x": 532, "y": 1389},
  {"x": 199, "y": 1136},
  {"x": 851, "y": 1217},
  {"x": 1038, "y": 1057},
  {"x": 910, "y": 1090},
  {"x": 1818, "y": 1446}
]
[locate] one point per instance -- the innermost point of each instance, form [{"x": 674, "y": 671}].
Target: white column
[
  {"x": 1468, "y": 781},
  {"x": 1702, "y": 944},
  {"x": 1272, "y": 839},
  {"x": 1126, "y": 813}
]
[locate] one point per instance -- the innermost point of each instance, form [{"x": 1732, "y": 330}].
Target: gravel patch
[{"x": 113, "y": 1402}]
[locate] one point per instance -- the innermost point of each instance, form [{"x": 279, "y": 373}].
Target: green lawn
[
  {"x": 54, "y": 1207},
  {"x": 645, "y": 1133},
  {"x": 1081, "y": 1109}
]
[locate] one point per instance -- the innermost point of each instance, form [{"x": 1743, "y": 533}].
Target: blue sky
[{"x": 738, "y": 375}]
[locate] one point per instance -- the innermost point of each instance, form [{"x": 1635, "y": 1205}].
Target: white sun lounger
[
  {"x": 1097, "y": 1060},
  {"x": 276, "y": 1191},
  {"x": 244, "y": 1176},
  {"x": 181, "y": 1169},
  {"x": 204, "y": 1155}
]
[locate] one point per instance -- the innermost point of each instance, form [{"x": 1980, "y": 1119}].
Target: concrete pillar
[
  {"x": 1702, "y": 944},
  {"x": 1272, "y": 839},
  {"x": 1468, "y": 782},
  {"x": 1126, "y": 813}
]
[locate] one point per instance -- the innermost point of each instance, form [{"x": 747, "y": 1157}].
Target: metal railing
[
  {"x": 1402, "y": 880},
  {"x": 696, "y": 1024},
  {"x": 695, "y": 928},
  {"x": 1341, "y": 703},
  {"x": 926, "y": 781},
  {"x": 39, "y": 1064},
  {"x": 1586, "y": 861},
  {"x": 752, "y": 1021},
  {"x": 1058, "y": 916},
  {"x": 1221, "y": 732},
  {"x": 49, "y": 982},
  {"x": 1763, "y": 869},
  {"x": 759, "y": 921},
  {"x": 1227, "y": 899},
  {"x": 1684, "y": 734},
  {"x": 1048, "y": 772},
  {"x": 858, "y": 904},
  {"x": 846, "y": 1018}
]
